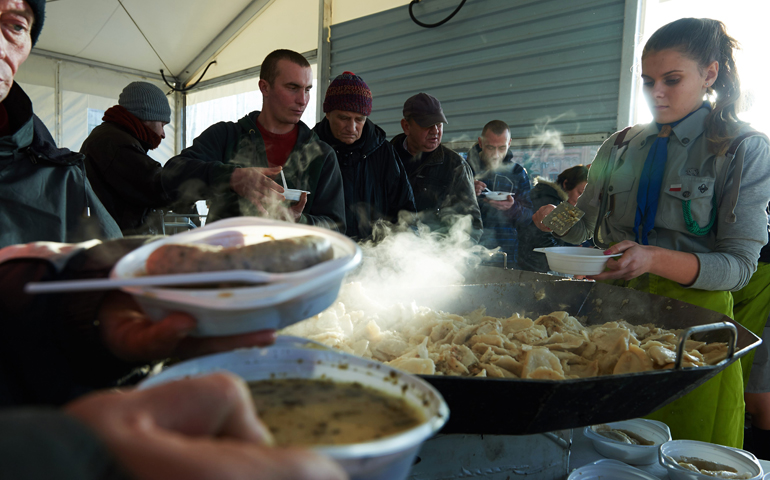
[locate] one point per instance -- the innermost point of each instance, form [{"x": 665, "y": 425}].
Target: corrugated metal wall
[{"x": 521, "y": 61}]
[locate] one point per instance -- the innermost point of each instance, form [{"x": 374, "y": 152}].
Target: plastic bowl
[
  {"x": 741, "y": 460},
  {"x": 606, "y": 469},
  {"x": 230, "y": 311},
  {"x": 497, "y": 195},
  {"x": 388, "y": 458},
  {"x": 292, "y": 194},
  {"x": 576, "y": 260},
  {"x": 652, "y": 430}
]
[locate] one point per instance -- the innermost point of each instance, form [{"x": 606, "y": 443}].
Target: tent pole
[
  {"x": 323, "y": 60},
  {"x": 180, "y": 122}
]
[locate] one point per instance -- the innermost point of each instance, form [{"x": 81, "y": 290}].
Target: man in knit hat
[
  {"x": 126, "y": 179},
  {"x": 237, "y": 165},
  {"x": 374, "y": 179},
  {"x": 442, "y": 181},
  {"x": 44, "y": 194}
]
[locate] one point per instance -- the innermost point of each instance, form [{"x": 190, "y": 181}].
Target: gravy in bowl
[{"x": 306, "y": 412}]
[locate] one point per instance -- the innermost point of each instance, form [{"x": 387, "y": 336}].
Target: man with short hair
[
  {"x": 235, "y": 165},
  {"x": 494, "y": 169},
  {"x": 126, "y": 179},
  {"x": 441, "y": 180},
  {"x": 44, "y": 193},
  {"x": 374, "y": 179}
]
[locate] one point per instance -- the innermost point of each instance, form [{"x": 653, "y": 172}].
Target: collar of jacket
[
  {"x": 684, "y": 133},
  {"x": 19, "y": 108},
  {"x": 474, "y": 159},
  {"x": 249, "y": 123},
  {"x": 125, "y": 130},
  {"x": 564, "y": 196},
  {"x": 436, "y": 157},
  {"x": 371, "y": 139},
  {"x": 31, "y": 132}
]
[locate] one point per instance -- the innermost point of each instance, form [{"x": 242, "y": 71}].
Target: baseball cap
[{"x": 424, "y": 109}]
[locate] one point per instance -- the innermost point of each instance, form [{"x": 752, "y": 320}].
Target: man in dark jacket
[
  {"x": 374, "y": 179},
  {"x": 494, "y": 169},
  {"x": 441, "y": 180},
  {"x": 234, "y": 164},
  {"x": 124, "y": 177},
  {"x": 44, "y": 194}
]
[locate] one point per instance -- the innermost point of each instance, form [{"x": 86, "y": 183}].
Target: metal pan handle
[{"x": 688, "y": 332}]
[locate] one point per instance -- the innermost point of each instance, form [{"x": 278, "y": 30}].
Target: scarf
[
  {"x": 650, "y": 182},
  {"x": 121, "y": 116}
]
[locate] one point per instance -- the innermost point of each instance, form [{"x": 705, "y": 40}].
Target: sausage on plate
[{"x": 277, "y": 256}]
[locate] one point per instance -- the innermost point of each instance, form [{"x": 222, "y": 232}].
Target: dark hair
[
  {"x": 705, "y": 40},
  {"x": 574, "y": 176},
  {"x": 268, "y": 71},
  {"x": 498, "y": 127}
]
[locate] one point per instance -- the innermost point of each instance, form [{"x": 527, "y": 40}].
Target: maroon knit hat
[{"x": 349, "y": 93}]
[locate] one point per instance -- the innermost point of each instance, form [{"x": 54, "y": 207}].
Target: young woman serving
[{"x": 684, "y": 199}]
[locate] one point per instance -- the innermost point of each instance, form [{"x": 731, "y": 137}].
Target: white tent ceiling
[{"x": 181, "y": 36}]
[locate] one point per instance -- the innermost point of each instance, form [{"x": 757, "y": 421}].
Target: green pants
[
  {"x": 752, "y": 308},
  {"x": 713, "y": 412}
]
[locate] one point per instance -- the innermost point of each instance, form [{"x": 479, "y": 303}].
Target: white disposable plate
[
  {"x": 741, "y": 460},
  {"x": 576, "y": 260},
  {"x": 228, "y": 311},
  {"x": 651, "y": 430},
  {"x": 389, "y": 458},
  {"x": 497, "y": 195},
  {"x": 293, "y": 194},
  {"x": 609, "y": 469}
]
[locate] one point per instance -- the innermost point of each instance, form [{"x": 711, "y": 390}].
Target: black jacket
[
  {"x": 203, "y": 171},
  {"x": 442, "y": 183},
  {"x": 44, "y": 193},
  {"x": 501, "y": 228},
  {"x": 124, "y": 177},
  {"x": 373, "y": 177},
  {"x": 543, "y": 193}
]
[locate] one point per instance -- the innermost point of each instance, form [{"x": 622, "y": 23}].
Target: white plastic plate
[{"x": 228, "y": 311}]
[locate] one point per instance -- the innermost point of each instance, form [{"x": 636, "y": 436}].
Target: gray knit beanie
[{"x": 146, "y": 102}]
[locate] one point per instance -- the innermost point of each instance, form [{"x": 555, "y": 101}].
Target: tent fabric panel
[{"x": 529, "y": 63}]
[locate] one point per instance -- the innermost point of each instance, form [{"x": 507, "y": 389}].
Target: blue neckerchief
[{"x": 651, "y": 180}]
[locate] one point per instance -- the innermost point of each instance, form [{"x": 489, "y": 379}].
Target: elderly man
[
  {"x": 43, "y": 190},
  {"x": 234, "y": 165},
  {"x": 441, "y": 180},
  {"x": 493, "y": 167},
  {"x": 126, "y": 179},
  {"x": 374, "y": 179}
]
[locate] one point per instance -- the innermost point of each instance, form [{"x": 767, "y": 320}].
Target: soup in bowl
[{"x": 338, "y": 419}]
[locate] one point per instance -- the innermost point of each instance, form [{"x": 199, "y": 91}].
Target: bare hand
[
  {"x": 502, "y": 205},
  {"x": 297, "y": 208},
  {"x": 131, "y": 336},
  {"x": 254, "y": 184},
  {"x": 537, "y": 217},
  {"x": 636, "y": 260},
  {"x": 202, "y": 428},
  {"x": 479, "y": 186}
]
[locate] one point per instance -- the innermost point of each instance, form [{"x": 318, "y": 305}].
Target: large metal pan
[{"x": 523, "y": 407}]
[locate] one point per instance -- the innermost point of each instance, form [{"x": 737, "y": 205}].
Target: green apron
[
  {"x": 713, "y": 412},
  {"x": 752, "y": 308}
]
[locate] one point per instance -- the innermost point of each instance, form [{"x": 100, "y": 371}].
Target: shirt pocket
[
  {"x": 619, "y": 201},
  {"x": 695, "y": 192}
]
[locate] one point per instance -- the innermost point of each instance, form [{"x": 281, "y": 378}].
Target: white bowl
[
  {"x": 292, "y": 194},
  {"x": 230, "y": 311},
  {"x": 609, "y": 469},
  {"x": 741, "y": 460},
  {"x": 388, "y": 458},
  {"x": 576, "y": 260},
  {"x": 651, "y": 430},
  {"x": 497, "y": 195}
]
